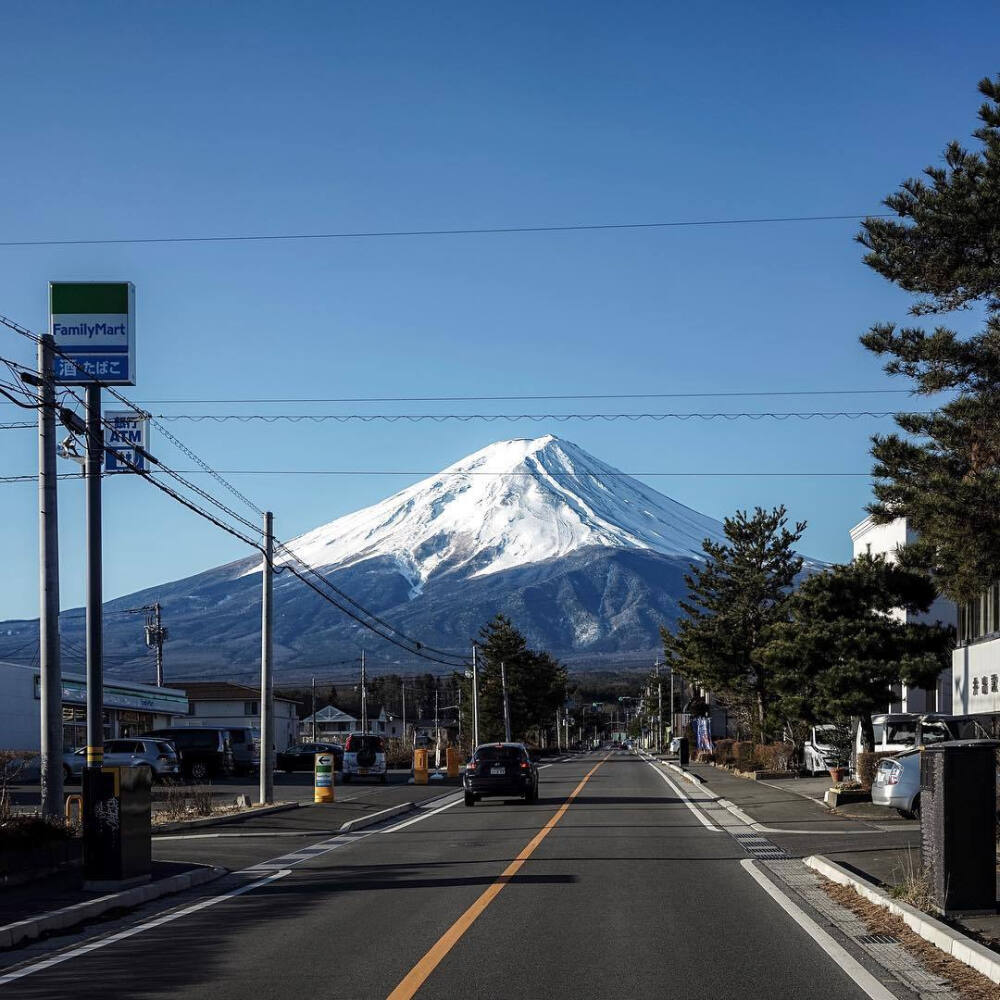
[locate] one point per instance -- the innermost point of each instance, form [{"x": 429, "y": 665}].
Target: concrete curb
[
  {"x": 194, "y": 824},
  {"x": 362, "y": 821},
  {"x": 696, "y": 779},
  {"x": 69, "y": 916},
  {"x": 950, "y": 941}
]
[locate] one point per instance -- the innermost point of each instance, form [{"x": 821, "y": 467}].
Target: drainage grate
[
  {"x": 876, "y": 939},
  {"x": 758, "y": 847}
]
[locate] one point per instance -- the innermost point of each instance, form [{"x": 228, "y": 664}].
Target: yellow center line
[{"x": 417, "y": 976}]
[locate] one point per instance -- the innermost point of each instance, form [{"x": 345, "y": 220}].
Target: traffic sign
[
  {"x": 126, "y": 440},
  {"x": 93, "y": 326}
]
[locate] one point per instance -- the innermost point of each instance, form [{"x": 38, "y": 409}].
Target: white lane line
[
  {"x": 864, "y": 979},
  {"x": 84, "y": 949},
  {"x": 418, "y": 819},
  {"x": 248, "y": 834},
  {"x": 701, "y": 817}
]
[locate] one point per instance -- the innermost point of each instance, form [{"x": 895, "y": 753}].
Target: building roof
[
  {"x": 330, "y": 714},
  {"x": 222, "y": 691}
]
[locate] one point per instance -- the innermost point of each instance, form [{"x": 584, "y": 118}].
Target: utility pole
[
  {"x": 93, "y": 834},
  {"x": 672, "y": 734},
  {"x": 50, "y": 669},
  {"x": 156, "y": 636},
  {"x": 506, "y": 706},
  {"x": 314, "y": 708},
  {"x": 460, "y": 714},
  {"x": 266, "y": 677},
  {"x": 558, "y": 736},
  {"x": 659, "y": 710},
  {"x": 475, "y": 700},
  {"x": 402, "y": 691},
  {"x": 437, "y": 732},
  {"x": 364, "y": 696}
]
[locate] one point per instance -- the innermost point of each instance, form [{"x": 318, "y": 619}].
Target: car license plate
[
  {"x": 498, "y": 770},
  {"x": 362, "y": 770}
]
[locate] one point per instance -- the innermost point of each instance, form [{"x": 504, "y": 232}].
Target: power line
[
  {"x": 549, "y": 396},
  {"x": 17, "y": 426},
  {"x": 478, "y": 231},
  {"x": 318, "y": 418}
]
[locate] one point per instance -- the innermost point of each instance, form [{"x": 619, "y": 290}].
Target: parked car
[
  {"x": 364, "y": 756},
  {"x": 302, "y": 756},
  {"x": 897, "y": 783},
  {"x": 246, "y": 750},
  {"x": 500, "y": 769},
  {"x": 818, "y": 756},
  {"x": 73, "y": 763},
  {"x": 204, "y": 751},
  {"x": 899, "y": 731},
  {"x": 158, "y": 755}
]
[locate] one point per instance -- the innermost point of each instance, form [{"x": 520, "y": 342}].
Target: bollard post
[
  {"x": 420, "y": 767},
  {"x": 323, "y": 778},
  {"x": 451, "y": 756},
  {"x": 683, "y": 752}
]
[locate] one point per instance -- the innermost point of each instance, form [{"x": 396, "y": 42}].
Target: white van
[{"x": 364, "y": 757}]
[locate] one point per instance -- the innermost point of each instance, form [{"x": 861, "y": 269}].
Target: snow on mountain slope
[{"x": 507, "y": 505}]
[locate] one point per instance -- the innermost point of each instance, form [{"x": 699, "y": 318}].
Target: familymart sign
[{"x": 93, "y": 326}]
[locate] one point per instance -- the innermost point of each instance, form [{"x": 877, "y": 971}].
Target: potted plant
[{"x": 840, "y": 739}]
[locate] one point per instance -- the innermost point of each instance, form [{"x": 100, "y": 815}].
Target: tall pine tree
[
  {"x": 734, "y": 597},
  {"x": 943, "y": 473},
  {"x": 844, "y": 645}
]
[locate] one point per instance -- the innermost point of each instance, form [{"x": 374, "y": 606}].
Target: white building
[
  {"x": 237, "y": 706},
  {"x": 886, "y": 539},
  {"x": 333, "y": 724},
  {"x": 975, "y": 664},
  {"x": 129, "y": 708}
]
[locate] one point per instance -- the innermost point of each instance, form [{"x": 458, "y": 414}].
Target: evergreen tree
[
  {"x": 734, "y": 597},
  {"x": 842, "y": 648},
  {"x": 943, "y": 474},
  {"x": 536, "y": 684}
]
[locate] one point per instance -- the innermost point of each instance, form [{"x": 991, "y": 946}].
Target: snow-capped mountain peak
[{"x": 510, "y": 504}]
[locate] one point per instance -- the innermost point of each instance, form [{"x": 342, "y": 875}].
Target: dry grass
[
  {"x": 965, "y": 981},
  {"x": 912, "y": 884}
]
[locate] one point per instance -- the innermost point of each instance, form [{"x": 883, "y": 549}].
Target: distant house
[
  {"x": 331, "y": 724},
  {"x": 221, "y": 703}
]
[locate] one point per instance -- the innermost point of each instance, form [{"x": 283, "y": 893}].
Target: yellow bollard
[
  {"x": 71, "y": 801},
  {"x": 451, "y": 755},
  {"x": 323, "y": 778},
  {"x": 420, "y": 767}
]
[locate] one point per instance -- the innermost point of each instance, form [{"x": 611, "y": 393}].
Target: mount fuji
[{"x": 587, "y": 561}]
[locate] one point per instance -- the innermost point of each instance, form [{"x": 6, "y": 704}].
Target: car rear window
[
  {"x": 509, "y": 755},
  {"x": 196, "y": 739},
  {"x": 355, "y": 744},
  {"x": 167, "y": 748}
]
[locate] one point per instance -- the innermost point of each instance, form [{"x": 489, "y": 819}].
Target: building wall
[
  {"x": 887, "y": 539},
  {"x": 244, "y": 715},
  {"x": 975, "y": 671},
  {"x": 20, "y": 713}
]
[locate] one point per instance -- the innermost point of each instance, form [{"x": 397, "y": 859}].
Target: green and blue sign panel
[{"x": 93, "y": 326}]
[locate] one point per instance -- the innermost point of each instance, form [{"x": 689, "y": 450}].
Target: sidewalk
[{"x": 884, "y": 851}]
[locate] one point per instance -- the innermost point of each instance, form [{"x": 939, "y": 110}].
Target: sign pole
[
  {"x": 93, "y": 468},
  {"x": 266, "y": 678},
  {"x": 50, "y": 670},
  {"x": 475, "y": 700}
]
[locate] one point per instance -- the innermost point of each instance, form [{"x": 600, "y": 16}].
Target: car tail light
[
  {"x": 524, "y": 765},
  {"x": 892, "y": 774},
  {"x": 471, "y": 766},
  {"x": 163, "y": 757}
]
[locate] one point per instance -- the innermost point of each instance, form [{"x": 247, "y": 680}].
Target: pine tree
[
  {"x": 536, "y": 683},
  {"x": 734, "y": 597},
  {"x": 842, "y": 648},
  {"x": 943, "y": 474}
]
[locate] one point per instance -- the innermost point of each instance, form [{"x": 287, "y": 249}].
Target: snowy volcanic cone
[{"x": 509, "y": 505}]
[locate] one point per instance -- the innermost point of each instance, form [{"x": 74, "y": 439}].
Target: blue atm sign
[
  {"x": 93, "y": 326},
  {"x": 124, "y": 432}
]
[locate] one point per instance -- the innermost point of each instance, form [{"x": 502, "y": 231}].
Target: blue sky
[{"x": 187, "y": 119}]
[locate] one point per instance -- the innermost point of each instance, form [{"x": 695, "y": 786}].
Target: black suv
[
  {"x": 205, "y": 752},
  {"x": 501, "y": 769}
]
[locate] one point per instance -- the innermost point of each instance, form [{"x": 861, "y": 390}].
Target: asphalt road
[{"x": 620, "y": 891}]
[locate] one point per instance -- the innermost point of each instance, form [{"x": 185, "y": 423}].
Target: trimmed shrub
[
  {"x": 743, "y": 755},
  {"x": 866, "y": 765},
  {"x": 774, "y": 756},
  {"x": 724, "y": 752}
]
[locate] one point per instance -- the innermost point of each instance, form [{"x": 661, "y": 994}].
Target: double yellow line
[{"x": 417, "y": 976}]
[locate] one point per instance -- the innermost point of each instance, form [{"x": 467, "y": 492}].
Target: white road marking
[
  {"x": 699, "y": 815},
  {"x": 250, "y": 834},
  {"x": 864, "y": 979},
  {"x": 418, "y": 819},
  {"x": 84, "y": 949}
]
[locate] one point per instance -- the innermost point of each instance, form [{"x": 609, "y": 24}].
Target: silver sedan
[{"x": 897, "y": 783}]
